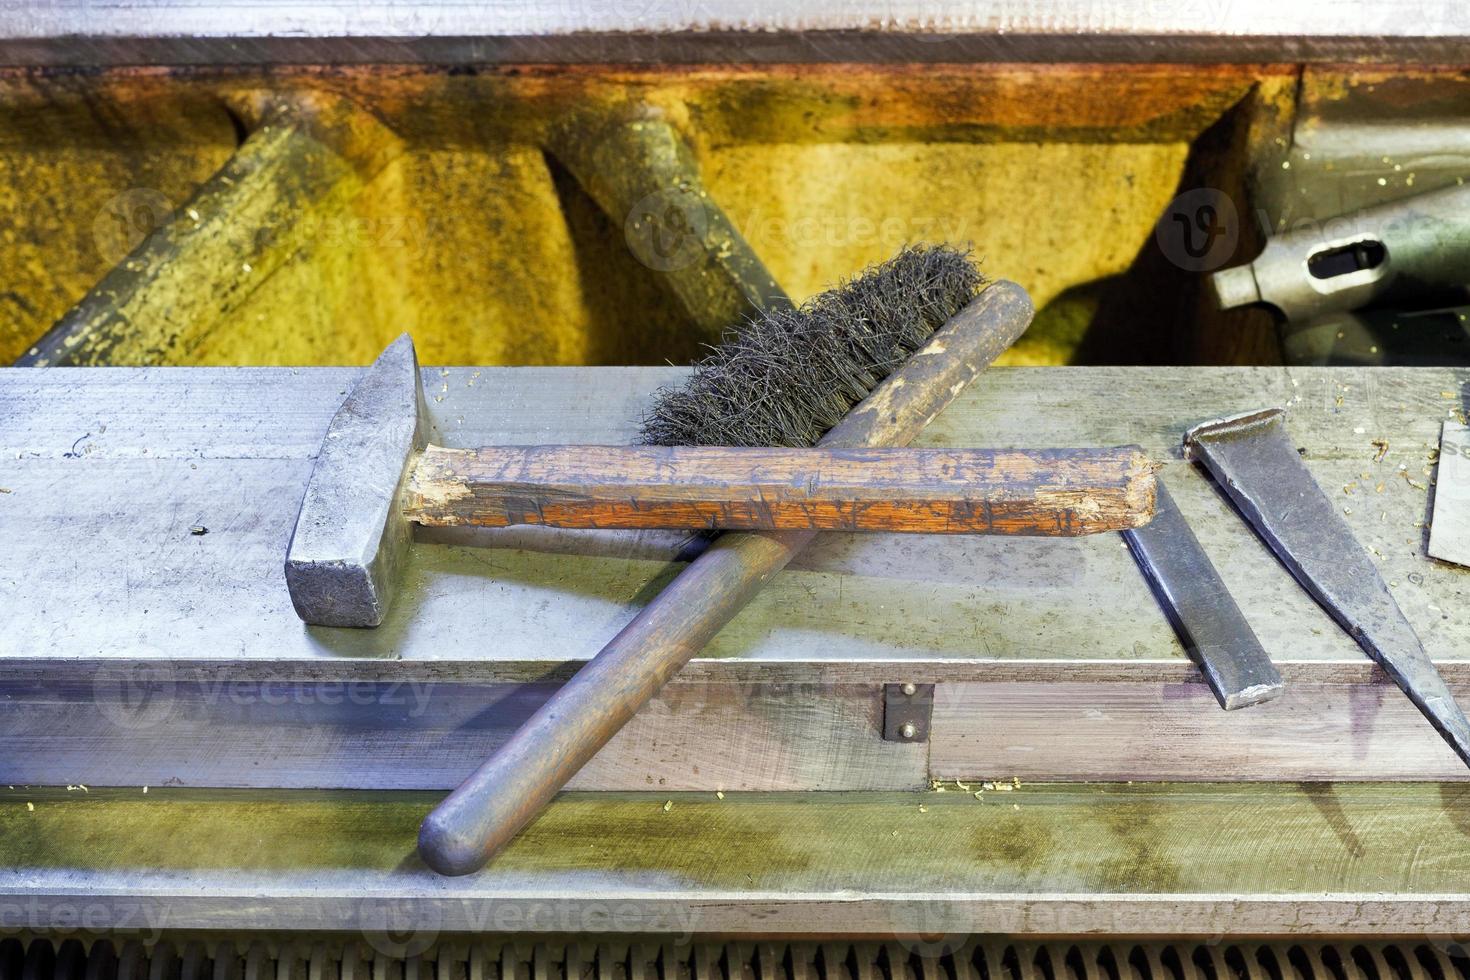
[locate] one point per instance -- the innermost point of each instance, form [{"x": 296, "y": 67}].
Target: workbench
[{"x": 149, "y": 642}]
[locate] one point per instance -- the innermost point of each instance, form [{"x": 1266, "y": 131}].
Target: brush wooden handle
[
  {"x": 1053, "y": 492},
  {"x": 506, "y": 793}
]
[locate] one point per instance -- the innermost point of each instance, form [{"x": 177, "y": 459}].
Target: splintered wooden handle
[{"x": 1053, "y": 492}]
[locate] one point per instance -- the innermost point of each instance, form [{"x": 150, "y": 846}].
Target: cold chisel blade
[
  {"x": 1200, "y": 608},
  {"x": 1256, "y": 462}
]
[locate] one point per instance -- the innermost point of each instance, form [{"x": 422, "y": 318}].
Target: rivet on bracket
[{"x": 907, "y": 709}]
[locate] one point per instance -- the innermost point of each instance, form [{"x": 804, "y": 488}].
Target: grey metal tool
[
  {"x": 1257, "y": 464},
  {"x": 351, "y": 538},
  {"x": 1408, "y": 247},
  {"x": 376, "y": 474},
  {"x": 1200, "y": 607}
]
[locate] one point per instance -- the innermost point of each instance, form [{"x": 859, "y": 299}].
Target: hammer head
[{"x": 351, "y": 539}]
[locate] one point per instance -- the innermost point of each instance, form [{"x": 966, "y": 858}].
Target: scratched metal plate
[{"x": 1449, "y": 535}]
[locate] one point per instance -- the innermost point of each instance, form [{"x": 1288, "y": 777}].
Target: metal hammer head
[{"x": 351, "y": 539}]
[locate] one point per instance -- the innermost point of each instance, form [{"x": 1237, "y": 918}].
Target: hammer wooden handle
[
  {"x": 504, "y": 794},
  {"x": 1054, "y": 492}
]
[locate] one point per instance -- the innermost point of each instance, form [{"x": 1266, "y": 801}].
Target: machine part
[
  {"x": 642, "y": 174},
  {"x": 1375, "y": 338},
  {"x": 1405, "y": 249},
  {"x": 907, "y": 710},
  {"x": 187, "y": 277},
  {"x": 1449, "y": 533},
  {"x": 922, "y": 956},
  {"x": 504, "y": 794},
  {"x": 1256, "y": 463},
  {"x": 1201, "y": 609}
]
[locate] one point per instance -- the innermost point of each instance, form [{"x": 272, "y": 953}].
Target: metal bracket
[{"x": 907, "y": 709}]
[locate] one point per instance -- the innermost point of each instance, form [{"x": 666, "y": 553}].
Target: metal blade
[
  {"x": 1254, "y": 459},
  {"x": 1201, "y": 609}
]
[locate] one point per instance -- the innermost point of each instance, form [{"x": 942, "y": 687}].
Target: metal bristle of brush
[{"x": 787, "y": 376}]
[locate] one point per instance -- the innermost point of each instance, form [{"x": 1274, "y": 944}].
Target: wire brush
[{"x": 787, "y": 376}]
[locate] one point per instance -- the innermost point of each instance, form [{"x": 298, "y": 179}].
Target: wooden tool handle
[
  {"x": 1055, "y": 492},
  {"x": 504, "y": 794}
]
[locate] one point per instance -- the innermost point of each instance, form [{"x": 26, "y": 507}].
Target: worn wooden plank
[
  {"x": 1084, "y": 731},
  {"x": 109, "y": 469},
  {"x": 1050, "y": 493},
  {"x": 1136, "y": 860}
]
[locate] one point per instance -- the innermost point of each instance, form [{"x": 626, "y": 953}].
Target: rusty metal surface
[{"x": 490, "y": 251}]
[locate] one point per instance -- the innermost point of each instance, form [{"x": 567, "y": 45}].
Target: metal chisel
[{"x": 1257, "y": 464}]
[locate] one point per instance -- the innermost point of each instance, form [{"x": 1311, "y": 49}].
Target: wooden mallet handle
[
  {"x": 1053, "y": 492},
  {"x": 506, "y": 793}
]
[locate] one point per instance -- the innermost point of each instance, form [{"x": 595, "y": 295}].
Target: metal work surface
[
  {"x": 730, "y": 30},
  {"x": 1126, "y": 860},
  {"x": 108, "y": 471},
  {"x": 1052, "y": 658}
]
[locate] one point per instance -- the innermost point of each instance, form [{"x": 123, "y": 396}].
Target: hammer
[{"x": 376, "y": 475}]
